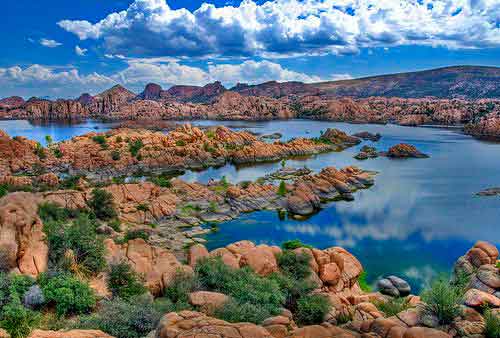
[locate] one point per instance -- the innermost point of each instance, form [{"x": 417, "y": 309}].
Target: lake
[{"x": 417, "y": 219}]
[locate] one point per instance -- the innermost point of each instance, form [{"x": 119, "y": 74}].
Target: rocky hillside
[{"x": 466, "y": 82}]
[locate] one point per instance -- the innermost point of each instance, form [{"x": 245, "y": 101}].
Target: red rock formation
[
  {"x": 16, "y": 154},
  {"x": 110, "y": 100},
  {"x": 11, "y": 102}
]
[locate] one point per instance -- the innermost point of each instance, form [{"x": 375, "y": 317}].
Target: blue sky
[{"x": 60, "y": 48}]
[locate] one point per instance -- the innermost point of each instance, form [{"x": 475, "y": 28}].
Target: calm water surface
[{"x": 420, "y": 215}]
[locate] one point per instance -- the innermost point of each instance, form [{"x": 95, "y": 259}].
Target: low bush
[
  {"x": 282, "y": 189},
  {"x": 295, "y": 264},
  {"x": 4, "y": 190},
  {"x": 124, "y": 319},
  {"x": 57, "y": 152},
  {"x": 178, "y": 291},
  {"x": 70, "y": 182},
  {"x": 76, "y": 246},
  {"x": 312, "y": 309},
  {"x": 363, "y": 284},
  {"x": 123, "y": 282},
  {"x": 235, "y": 312},
  {"x": 51, "y": 212},
  {"x": 142, "y": 207},
  {"x": 294, "y": 244},
  {"x": 135, "y": 146},
  {"x": 133, "y": 234},
  {"x": 17, "y": 320},
  {"x": 101, "y": 203},
  {"x": 491, "y": 324},
  {"x": 40, "y": 151},
  {"x": 115, "y": 155},
  {"x": 162, "y": 181},
  {"x": 100, "y": 139},
  {"x": 442, "y": 300},
  {"x": 393, "y": 306},
  {"x": 180, "y": 143},
  {"x": 68, "y": 294},
  {"x": 115, "y": 224},
  {"x": 243, "y": 285}
]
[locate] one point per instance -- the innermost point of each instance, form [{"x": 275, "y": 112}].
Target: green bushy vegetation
[
  {"x": 363, "y": 284},
  {"x": 294, "y": 264},
  {"x": 4, "y": 190},
  {"x": 491, "y": 324},
  {"x": 102, "y": 204},
  {"x": 135, "y": 146},
  {"x": 57, "y": 152},
  {"x": 68, "y": 294},
  {"x": 115, "y": 155},
  {"x": 162, "y": 181},
  {"x": 40, "y": 151},
  {"x": 294, "y": 244},
  {"x": 180, "y": 143},
  {"x": 124, "y": 319},
  {"x": 311, "y": 309},
  {"x": 442, "y": 300},
  {"x": 393, "y": 306},
  {"x": 134, "y": 234},
  {"x": 123, "y": 282},
  {"x": 17, "y": 320},
  {"x": 142, "y": 207},
  {"x": 77, "y": 236},
  {"x": 282, "y": 189}
]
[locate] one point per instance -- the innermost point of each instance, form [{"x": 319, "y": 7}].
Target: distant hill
[{"x": 468, "y": 82}]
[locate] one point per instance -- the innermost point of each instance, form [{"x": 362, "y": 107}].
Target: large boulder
[
  {"x": 196, "y": 252},
  {"x": 394, "y": 286},
  {"x": 261, "y": 259},
  {"x": 207, "y": 301},
  {"x": 22, "y": 240}
]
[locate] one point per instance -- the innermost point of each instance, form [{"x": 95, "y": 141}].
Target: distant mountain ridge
[{"x": 465, "y": 82}]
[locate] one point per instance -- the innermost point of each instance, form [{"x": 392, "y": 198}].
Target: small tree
[
  {"x": 48, "y": 139},
  {"x": 282, "y": 189},
  {"x": 283, "y": 163},
  {"x": 102, "y": 204}
]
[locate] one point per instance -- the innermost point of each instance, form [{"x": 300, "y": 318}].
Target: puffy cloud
[
  {"x": 292, "y": 27},
  {"x": 80, "y": 51},
  {"x": 49, "y": 43},
  {"x": 38, "y": 80},
  {"x": 42, "y": 80}
]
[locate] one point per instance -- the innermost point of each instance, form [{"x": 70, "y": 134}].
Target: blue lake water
[{"x": 420, "y": 215}]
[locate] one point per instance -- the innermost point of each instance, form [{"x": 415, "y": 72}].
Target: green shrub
[
  {"x": 124, "y": 282},
  {"x": 363, "y": 284},
  {"x": 498, "y": 264},
  {"x": 133, "y": 234},
  {"x": 40, "y": 151},
  {"x": 57, "y": 152},
  {"x": 295, "y": 264},
  {"x": 293, "y": 289},
  {"x": 119, "y": 139},
  {"x": 52, "y": 212},
  {"x": 122, "y": 319},
  {"x": 162, "y": 181},
  {"x": 68, "y": 294},
  {"x": 491, "y": 324},
  {"x": 180, "y": 143},
  {"x": 312, "y": 309},
  {"x": 165, "y": 305},
  {"x": 99, "y": 139},
  {"x": 135, "y": 146},
  {"x": 142, "y": 207},
  {"x": 243, "y": 285},
  {"x": 294, "y": 244},
  {"x": 81, "y": 238},
  {"x": 102, "y": 204},
  {"x": 115, "y": 155},
  {"x": 442, "y": 300},
  {"x": 282, "y": 189},
  {"x": 115, "y": 224},
  {"x": 245, "y": 184},
  {"x": 17, "y": 320},
  {"x": 70, "y": 182},
  {"x": 210, "y": 133},
  {"x": 48, "y": 139},
  {"x": 4, "y": 190},
  {"x": 178, "y": 291},
  {"x": 393, "y": 306},
  {"x": 235, "y": 312}
]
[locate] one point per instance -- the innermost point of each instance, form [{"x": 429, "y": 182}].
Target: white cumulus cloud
[
  {"x": 80, "y": 51},
  {"x": 292, "y": 27},
  {"x": 39, "y": 80},
  {"x": 49, "y": 43}
]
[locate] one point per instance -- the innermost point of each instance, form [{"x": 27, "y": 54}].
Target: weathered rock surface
[
  {"x": 403, "y": 150},
  {"x": 394, "y": 286},
  {"x": 69, "y": 334}
]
